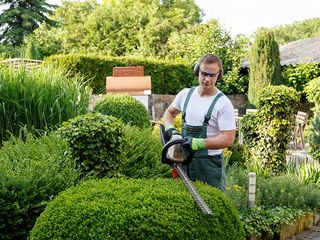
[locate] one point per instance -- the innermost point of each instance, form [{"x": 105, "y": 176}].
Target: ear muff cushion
[{"x": 196, "y": 69}]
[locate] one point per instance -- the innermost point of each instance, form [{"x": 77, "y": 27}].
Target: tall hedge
[
  {"x": 167, "y": 77},
  {"x": 138, "y": 209},
  {"x": 264, "y": 63},
  {"x": 268, "y": 132}
]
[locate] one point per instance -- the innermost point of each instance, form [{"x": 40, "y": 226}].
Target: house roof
[{"x": 301, "y": 51}]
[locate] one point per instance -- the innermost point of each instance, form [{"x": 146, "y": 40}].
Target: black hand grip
[{"x": 166, "y": 147}]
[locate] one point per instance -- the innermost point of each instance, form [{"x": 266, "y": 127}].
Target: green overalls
[{"x": 203, "y": 167}]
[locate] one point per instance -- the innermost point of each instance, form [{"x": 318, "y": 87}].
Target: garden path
[{"x": 312, "y": 233}]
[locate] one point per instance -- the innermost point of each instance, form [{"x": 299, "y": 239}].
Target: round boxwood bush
[
  {"x": 126, "y": 108},
  {"x": 96, "y": 142},
  {"x": 137, "y": 209}
]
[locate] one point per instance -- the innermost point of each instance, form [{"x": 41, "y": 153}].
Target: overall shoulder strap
[
  {"x": 208, "y": 115},
  {"x": 186, "y": 103}
]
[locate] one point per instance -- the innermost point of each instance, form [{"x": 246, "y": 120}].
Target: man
[{"x": 208, "y": 122}]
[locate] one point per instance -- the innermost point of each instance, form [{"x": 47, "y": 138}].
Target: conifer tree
[
  {"x": 20, "y": 18},
  {"x": 31, "y": 51},
  {"x": 264, "y": 63}
]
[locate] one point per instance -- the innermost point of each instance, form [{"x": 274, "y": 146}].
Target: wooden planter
[{"x": 290, "y": 230}]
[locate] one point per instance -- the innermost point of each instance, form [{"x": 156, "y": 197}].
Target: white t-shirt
[{"x": 222, "y": 117}]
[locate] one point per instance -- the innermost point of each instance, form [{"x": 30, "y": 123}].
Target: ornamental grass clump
[
  {"x": 38, "y": 99},
  {"x": 96, "y": 143},
  {"x": 137, "y": 209},
  {"x": 126, "y": 108}
]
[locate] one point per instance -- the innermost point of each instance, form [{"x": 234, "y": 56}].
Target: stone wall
[{"x": 159, "y": 103}]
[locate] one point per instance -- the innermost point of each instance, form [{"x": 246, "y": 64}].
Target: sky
[{"x": 246, "y": 16}]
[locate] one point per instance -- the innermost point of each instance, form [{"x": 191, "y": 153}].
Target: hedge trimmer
[{"x": 172, "y": 154}]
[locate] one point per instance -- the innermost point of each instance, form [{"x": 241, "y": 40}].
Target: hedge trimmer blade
[
  {"x": 194, "y": 193},
  {"x": 177, "y": 164}
]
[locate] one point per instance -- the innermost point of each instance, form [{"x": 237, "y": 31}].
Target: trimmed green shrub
[
  {"x": 126, "y": 108},
  {"x": 264, "y": 60},
  {"x": 268, "y": 132},
  {"x": 137, "y": 209},
  {"x": 31, "y": 173},
  {"x": 96, "y": 143},
  {"x": 38, "y": 99},
  {"x": 298, "y": 76},
  {"x": 142, "y": 154},
  {"x": 312, "y": 90},
  {"x": 168, "y": 77}
]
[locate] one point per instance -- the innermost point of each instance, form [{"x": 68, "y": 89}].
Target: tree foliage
[
  {"x": 21, "y": 18},
  {"x": 116, "y": 28},
  {"x": 195, "y": 41},
  {"x": 264, "y": 60},
  {"x": 297, "y": 30}
]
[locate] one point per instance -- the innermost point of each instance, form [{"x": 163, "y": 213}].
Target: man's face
[{"x": 208, "y": 74}]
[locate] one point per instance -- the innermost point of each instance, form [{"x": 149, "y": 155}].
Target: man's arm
[
  {"x": 169, "y": 115},
  {"x": 225, "y": 139}
]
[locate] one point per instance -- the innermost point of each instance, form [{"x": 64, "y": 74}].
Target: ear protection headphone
[{"x": 211, "y": 57}]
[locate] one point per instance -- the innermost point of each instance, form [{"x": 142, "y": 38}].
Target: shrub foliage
[
  {"x": 31, "y": 173},
  {"x": 96, "y": 143},
  {"x": 299, "y": 75},
  {"x": 268, "y": 132},
  {"x": 312, "y": 90},
  {"x": 126, "y": 108},
  {"x": 142, "y": 154},
  {"x": 137, "y": 209}
]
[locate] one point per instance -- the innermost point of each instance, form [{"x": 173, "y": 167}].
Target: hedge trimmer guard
[{"x": 177, "y": 159}]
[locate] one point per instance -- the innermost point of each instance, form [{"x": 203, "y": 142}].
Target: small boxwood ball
[{"x": 126, "y": 108}]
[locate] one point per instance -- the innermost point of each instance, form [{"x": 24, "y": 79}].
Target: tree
[
  {"x": 264, "y": 63},
  {"x": 297, "y": 30},
  {"x": 31, "y": 51},
  {"x": 118, "y": 28},
  {"x": 195, "y": 41},
  {"x": 21, "y": 18}
]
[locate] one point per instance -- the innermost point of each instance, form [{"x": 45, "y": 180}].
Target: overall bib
[{"x": 203, "y": 167}]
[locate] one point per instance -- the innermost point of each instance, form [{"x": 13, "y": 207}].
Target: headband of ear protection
[{"x": 202, "y": 59}]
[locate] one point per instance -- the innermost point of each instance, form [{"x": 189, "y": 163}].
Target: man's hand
[
  {"x": 170, "y": 130},
  {"x": 194, "y": 144}
]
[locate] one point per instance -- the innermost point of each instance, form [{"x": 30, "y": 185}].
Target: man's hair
[{"x": 208, "y": 59}]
